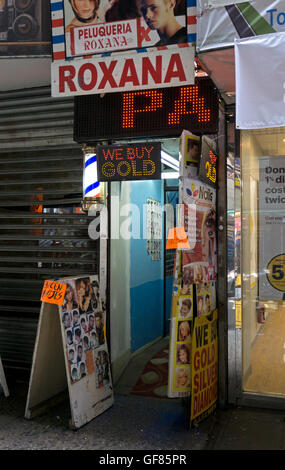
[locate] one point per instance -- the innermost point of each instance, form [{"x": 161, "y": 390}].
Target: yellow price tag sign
[{"x": 276, "y": 272}]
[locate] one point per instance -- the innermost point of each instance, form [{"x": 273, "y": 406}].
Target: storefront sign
[
  {"x": 151, "y": 113},
  {"x": 79, "y": 29},
  {"x": 129, "y": 162},
  {"x": 133, "y": 71},
  {"x": 260, "y": 103},
  {"x": 208, "y": 163},
  {"x": 204, "y": 368},
  {"x": 220, "y": 27},
  {"x": 271, "y": 280}
]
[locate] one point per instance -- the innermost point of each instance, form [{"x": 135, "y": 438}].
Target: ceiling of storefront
[
  {"x": 23, "y": 72},
  {"x": 220, "y": 66}
]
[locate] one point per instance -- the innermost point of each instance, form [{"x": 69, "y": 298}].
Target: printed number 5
[{"x": 277, "y": 271}]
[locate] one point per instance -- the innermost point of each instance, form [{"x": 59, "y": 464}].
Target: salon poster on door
[
  {"x": 271, "y": 228},
  {"x": 199, "y": 220},
  {"x": 204, "y": 363}
]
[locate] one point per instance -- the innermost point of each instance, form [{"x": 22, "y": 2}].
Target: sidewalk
[
  {"x": 136, "y": 423},
  {"x": 239, "y": 428},
  {"x": 132, "y": 423}
]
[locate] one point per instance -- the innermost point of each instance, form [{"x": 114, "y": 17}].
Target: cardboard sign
[
  {"x": 53, "y": 292},
  {"x": 177, "y": 238},
  {"x": 141, "y": 161},
  {"x": 204, "y": 368},
  {"x": 71, "y": 353}
]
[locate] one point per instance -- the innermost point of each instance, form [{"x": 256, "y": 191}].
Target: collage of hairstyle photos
[
  {"x": 204, "y": 298},
  {"x": 84, "y": 325},
  {"x": 183, "y": 340},
  {"x": 102, "y": 368}
]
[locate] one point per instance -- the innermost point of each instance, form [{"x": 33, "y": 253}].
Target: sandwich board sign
[
  {"x": 3, "y": 384},
  {"x": 71, "y": 351}
]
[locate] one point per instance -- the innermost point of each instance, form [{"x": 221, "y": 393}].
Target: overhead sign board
[
  {"x": 151, "y": 113},
  {"x": 220, "y": 27},
  {"x": 87, "y": 28},
  {"x": 140, "y": 161},
  {"x": 97, "y": 75}
]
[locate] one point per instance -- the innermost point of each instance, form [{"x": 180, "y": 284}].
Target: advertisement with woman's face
[
  {"x": 97, "y": 26},
  {"x": 200, "y": 262}
]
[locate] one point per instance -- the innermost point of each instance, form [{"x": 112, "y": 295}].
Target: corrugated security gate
[{"x": 43, "y": 232}]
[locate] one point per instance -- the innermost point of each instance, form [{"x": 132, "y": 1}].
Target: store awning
[{"x": 260, "y": 81}]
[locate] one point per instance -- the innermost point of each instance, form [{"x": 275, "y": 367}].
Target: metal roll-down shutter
[{"x": 43, "y": 232}]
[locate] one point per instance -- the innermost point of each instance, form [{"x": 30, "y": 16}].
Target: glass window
[{"x": 263, "y": 260}]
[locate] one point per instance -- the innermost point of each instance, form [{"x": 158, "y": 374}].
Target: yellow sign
[
  {"x": 53, "y": 292},
  {"x": 276, "y": 272},
  {"x": 238, "y": 314},
  {"x": 204, "y": 368}
]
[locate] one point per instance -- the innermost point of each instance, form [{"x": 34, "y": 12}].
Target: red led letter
[
  {"x": 129, "y": 110},
  {"x": 189, "y": 103}
]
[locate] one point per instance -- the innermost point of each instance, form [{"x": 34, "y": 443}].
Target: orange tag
[
  {"x": 53, "y": 292},
  {"x": 177, "y": 238}
]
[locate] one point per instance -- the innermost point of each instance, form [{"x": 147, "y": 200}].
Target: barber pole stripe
[
  {"x": 57, "y": 26},
  {"x": 191, "y": 20},
  {"x": 58, "y": 33}
]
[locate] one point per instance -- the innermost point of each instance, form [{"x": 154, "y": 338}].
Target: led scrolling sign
[{"x": 147, "y": 113}]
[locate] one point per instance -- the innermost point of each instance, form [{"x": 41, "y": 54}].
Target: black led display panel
[{"x": 161, "y": 112}]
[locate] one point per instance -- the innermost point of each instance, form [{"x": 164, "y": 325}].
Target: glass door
[{"x": 262, "y": 226}]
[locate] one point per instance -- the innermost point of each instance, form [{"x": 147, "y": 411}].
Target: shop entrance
[
  {"x": 262, "y": 266},
  {"x": 141, "y": 269}
]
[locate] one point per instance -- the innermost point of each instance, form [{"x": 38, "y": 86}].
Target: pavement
[
  {"x": 139, "y": 423},
  {"x": 136, "y": 423}
]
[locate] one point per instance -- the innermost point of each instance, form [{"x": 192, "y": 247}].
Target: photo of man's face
[
  {"x": 156, "y": 13},
  {"x": 193, "y": 151}
]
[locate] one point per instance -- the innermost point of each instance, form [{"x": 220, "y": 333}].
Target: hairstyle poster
[
  {"x": 179, "y": 377},
  {"x": 99, "y": 26},
  {"x": 199, "y": 220},
  {"x": 83, "y": 323},
  {"x": 87, "y": 359}
]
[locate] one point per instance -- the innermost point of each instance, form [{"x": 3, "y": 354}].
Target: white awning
[{"x": 260, "y": 81}]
